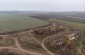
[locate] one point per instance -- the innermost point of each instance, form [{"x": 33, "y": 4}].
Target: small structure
[
  {"x": 53, "y": 24},
  {"x": 62, "y": 40},
  {"x": 57, "y": 43},
  {"x": 71, "y": 37}
]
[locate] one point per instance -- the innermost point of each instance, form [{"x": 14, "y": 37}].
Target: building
[{"x": 62, "y": 40}]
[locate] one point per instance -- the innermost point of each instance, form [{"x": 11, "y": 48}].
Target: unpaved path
[
  {"x": 18, "y": 48},
  {"x": 79, "y": 49},
  {"x": 67, "y": 29},
  {"x": 23, "y": 50},
  {"x": 42, "y": 44}
]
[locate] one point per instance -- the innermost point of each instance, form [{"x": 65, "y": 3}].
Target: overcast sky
[{"x": 42, "y": 5}]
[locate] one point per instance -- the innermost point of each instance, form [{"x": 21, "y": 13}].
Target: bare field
[
  {"x": 6, "y": 40},
  {"x": 29, "y": 43},
  {"x": 11, "y": 52}
]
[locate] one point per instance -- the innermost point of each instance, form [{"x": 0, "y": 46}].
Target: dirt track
[
  {"x": 41, "y": 44},
  {"x": 19, "y": 48}
]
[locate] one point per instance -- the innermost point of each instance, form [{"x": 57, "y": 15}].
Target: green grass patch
[
  {"x": 69, "y": 23},
  {"x": 10, "y": 22}
]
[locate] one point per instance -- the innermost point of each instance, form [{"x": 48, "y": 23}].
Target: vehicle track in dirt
[
  {"x": 42, "y": 44},
  {"x": 19, "y": 48}
]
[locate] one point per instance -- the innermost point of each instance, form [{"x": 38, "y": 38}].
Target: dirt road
[
  {"x": 19, "y": 48},
  {"x": 42, "y": 44}
]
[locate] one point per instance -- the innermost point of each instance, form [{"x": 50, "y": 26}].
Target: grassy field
[
  {"x": 69, "y": 23},
  {"x": 10, "y": 22}
]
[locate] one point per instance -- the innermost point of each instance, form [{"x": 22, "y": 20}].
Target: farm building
[{"x": 62, "y": 40}]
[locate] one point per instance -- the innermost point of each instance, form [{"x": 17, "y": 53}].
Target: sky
[{"x": 42, "y": 5}]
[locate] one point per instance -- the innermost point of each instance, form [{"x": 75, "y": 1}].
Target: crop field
[
  {"x": 10, "y": 22},
  {"x": 69, "y": 23}
]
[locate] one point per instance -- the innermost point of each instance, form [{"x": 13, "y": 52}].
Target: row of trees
[{"x": 48, "y": 31}]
